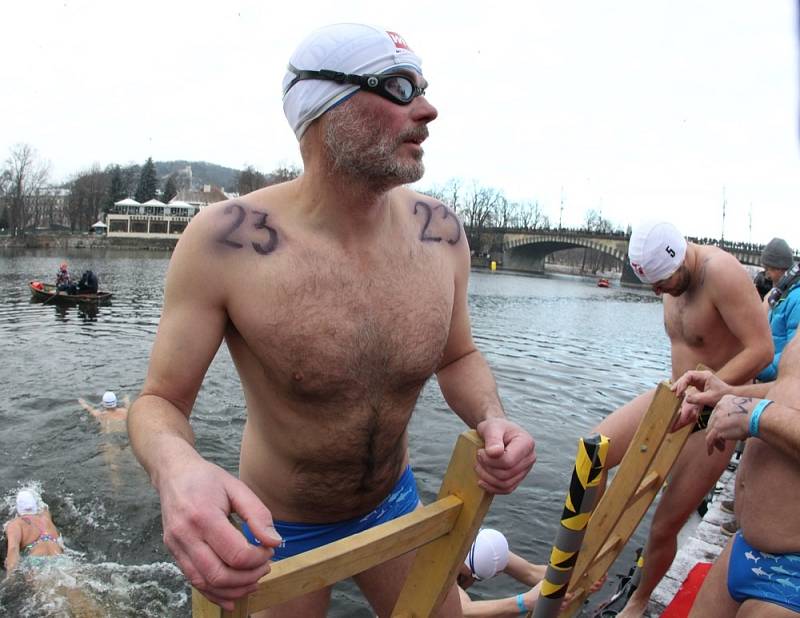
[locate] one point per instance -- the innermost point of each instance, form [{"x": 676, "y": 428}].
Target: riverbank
[{"x": 68, "y": 241}]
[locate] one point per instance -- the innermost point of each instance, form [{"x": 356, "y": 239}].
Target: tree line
[{"x": 27, "y": 194}]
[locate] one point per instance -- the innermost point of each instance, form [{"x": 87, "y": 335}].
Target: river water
[{"x": 565, "y": 353}]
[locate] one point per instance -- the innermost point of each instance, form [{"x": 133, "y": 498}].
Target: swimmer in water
[{"x": 32, "y": 532}]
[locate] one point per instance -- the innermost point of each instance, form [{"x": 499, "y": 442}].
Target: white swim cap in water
[
  {"x": 349, "y": 48},
  {"x": 656, "y": 250},
  {"x": 109, "y": 400},
  {"x": 488, "y": 554},
  {"x": 27, "y": 502}
]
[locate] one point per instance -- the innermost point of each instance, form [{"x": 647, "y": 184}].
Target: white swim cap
[
  {"x": 488, "y": 554},
  {"x": 27, "y": 502},
  {"x": 109, "y": 400},
  {"x": 656, "y": 250},
  {"x": 349, "y": 48}
]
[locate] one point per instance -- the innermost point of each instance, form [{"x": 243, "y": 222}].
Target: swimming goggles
[{"x": 395, "y": 87}]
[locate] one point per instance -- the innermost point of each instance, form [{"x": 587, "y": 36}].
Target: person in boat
[
  {"x": 112, "y": 416},
  {"x": 63, "y": 280},
  {"x": 359, "y": 296},
  {"x": 760, "y": 566},
  {"x": 712, "y": 315},
  {"x": 783, "y": 300},
  {"x": 88, "y": 283},
  {"x": 31, "y": 535}
]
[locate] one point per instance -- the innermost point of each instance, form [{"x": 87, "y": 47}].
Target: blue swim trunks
[
  {"x": 753, "y": 574},
  {"x": 298, "y": 538}
]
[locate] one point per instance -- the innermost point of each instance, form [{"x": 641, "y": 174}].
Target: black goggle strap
[
  {"x": 324, "y": 74},
  {"x": 370, "y": 82}
]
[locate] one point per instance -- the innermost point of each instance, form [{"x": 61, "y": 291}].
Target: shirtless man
[
  {"x": 112, "y": 416},
  {"x": 712, "y": 315},
  {"x": 112, "y": 419},
  {"x": 355, "y": 295},
  {"x": 758, "y": 573}
]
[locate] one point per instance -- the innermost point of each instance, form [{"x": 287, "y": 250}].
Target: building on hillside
[
  {"x": 153, "y": 219},
  {"x": 209, "y": 194}
]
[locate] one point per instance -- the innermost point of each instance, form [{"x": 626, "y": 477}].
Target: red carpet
[{"x": 684, "y": 598}]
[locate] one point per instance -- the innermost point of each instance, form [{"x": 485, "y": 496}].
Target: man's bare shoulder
[
  {"x": 247, "y": 224},
  {"x": 434, "y": 221},
  {"x": 716, "y": 266}
]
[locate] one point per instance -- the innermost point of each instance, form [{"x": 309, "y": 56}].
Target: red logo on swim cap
[
  {"x": 398, "y": 40},
  {"x": 637, "y": 268}
]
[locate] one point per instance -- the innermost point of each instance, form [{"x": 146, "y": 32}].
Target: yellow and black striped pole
[{"x": 589, "y": 463}]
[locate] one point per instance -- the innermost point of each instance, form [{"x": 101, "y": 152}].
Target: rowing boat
[{"x": 46, "y": 292}]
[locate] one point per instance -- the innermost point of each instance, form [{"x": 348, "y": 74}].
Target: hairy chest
[
  {"x": 692, "y": 320},
  {"x": 323, "y": 330}
]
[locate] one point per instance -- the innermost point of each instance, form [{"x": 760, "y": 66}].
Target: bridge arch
[{"x": 527, "y": 252}]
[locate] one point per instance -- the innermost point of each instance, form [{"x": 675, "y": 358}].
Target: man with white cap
[
  {"x": 356, "y": 294},
  {"x": 712, "y": 315},
  {"x": 111, "y": 416}
]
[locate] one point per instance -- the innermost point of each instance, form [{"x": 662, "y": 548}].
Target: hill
[{"x": 203, "y": 173}]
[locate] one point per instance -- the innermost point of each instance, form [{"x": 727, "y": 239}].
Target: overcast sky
[{"x": 634, "y": 108}]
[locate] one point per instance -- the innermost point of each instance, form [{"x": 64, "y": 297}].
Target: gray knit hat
[{"x": 777, "y": 254}]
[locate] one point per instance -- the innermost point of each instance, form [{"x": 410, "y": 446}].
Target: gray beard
[{"x": 361, "y": 149}]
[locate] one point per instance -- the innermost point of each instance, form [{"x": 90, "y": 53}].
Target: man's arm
[
  {"x": 196, "y": 496},
  {"x": 93, "y": 411},
  {"x": 778, "y": 425},
  {"x": 470, "y": 390},
  {"x": 737, "y": 301},
  {"x": 710, "y": 389}
]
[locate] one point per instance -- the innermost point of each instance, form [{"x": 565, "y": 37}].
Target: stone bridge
[{"x": 526, "y": 251}]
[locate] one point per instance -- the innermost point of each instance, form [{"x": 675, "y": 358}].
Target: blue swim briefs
[
  {"x": 298, "y": 537},
  {"x": 753, "y": 574}
]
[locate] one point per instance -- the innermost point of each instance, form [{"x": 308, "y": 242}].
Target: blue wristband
[
  {"x": 521, "y": 605},
  {"x": 755, "y": 417}
]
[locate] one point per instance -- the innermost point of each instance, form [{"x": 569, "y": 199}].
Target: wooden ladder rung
[{"x": 650, "y": 480}]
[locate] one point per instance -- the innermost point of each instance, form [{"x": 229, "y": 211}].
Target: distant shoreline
[{"x": 78, "y": 240}]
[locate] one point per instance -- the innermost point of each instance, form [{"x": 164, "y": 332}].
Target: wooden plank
[
  {"x": 436, "y": 565},
  {"x": 203, "y": 608},
  {"x": 635, "y": 464},
  {"x": 346, "y": 557},
  {"x": 444, "y": 529},
  {"x": 666, "y": 458},
  {"x": 626, "y": 501}
]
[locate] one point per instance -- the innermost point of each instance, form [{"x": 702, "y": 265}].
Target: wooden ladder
[
  {"x": 441, "y": 532},
  {"x": 640, "y": 475}
]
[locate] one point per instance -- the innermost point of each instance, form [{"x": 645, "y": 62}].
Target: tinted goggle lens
[{"x": 398, "y": 88}]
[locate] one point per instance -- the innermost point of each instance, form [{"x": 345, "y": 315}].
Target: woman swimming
[{"x": 32, "y": 532}]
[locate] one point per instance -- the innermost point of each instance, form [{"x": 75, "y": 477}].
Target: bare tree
[
  {"x": 88, "y": 194},
  {"x": 25, "y": 176},
  {"x": 250, "y": 179},
  {"x": 596, "y": 223},
  {"x": 505, "y": 214},
  {"x": 451, "y": 194},
  {"x": 283, "y": 173},
  {"x": 531, "y": 216},
  {"x": 480, "y": 206}
]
